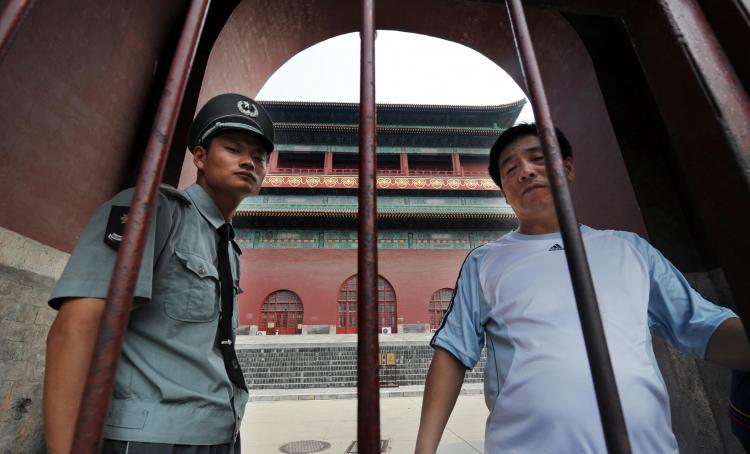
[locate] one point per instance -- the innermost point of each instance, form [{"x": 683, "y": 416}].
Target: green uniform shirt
[{"x": 171, "y": 384}]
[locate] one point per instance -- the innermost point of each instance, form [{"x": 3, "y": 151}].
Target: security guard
[{"x": 178, "y": 387}]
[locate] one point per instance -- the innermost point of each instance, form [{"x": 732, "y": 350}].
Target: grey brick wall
[{"x": 28, "y": 271}]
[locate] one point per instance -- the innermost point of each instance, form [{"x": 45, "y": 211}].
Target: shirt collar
[
  {"x": 208, "y": 209},
  {"x": 516, "y": 235},
  {"x": 205, "y": 205}
]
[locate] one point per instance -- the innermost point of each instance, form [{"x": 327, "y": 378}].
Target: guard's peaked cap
[{"x": 231, "y": 111}]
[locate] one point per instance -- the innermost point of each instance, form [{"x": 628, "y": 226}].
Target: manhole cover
[{"x": 304, "y": 446}]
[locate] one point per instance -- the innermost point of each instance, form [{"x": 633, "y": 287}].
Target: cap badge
[{"x": 247, "y": 108}]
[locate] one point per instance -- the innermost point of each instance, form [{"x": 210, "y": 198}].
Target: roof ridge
[
  {"x": 322, "y": 104},
  {"x": 389, "y": 128}
]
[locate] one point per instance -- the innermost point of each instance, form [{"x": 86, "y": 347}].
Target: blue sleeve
[
  {"x": 461, "y": 331},
  {"x": 677, "y": 312},
  {"x": 88, "y": 271}
]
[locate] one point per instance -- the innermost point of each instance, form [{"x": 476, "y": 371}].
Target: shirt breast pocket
[{"x": 195, "y": 296}]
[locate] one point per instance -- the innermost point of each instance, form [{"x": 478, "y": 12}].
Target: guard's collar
[
  {"x": 208, "y": 209},
  {"x": 205, "y": 205}
]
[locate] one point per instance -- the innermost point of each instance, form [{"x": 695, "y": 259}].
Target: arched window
[
  {"x": 282, "y": 313},
  {"x": 347, "y": 303},
  {"x": 439, "y": 306}
]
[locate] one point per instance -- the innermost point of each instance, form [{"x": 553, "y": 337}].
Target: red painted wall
[
  {"x": 472, "y": 165},
  {"x": 316, "y": 275},
  {"x": 73, "y": 85}
]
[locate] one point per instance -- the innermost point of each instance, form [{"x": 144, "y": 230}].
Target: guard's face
[
  {"x": 524, "y": 179},
  {"x": 235, "y": 164}
]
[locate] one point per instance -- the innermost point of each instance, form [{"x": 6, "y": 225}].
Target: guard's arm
[
  {"x": 729, "y": 345},
  {"x": 70, "y": 346},
  {"x": 444, "y": 380}
]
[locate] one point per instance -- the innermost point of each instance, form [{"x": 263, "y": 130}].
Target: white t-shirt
[{"x": 516, "y": 292}]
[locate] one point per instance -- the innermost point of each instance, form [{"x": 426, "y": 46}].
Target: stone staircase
[{"x": 272, "y": 366}]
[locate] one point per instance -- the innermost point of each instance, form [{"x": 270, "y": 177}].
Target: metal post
[
  {"x": 11, "y": 18},
  {"x": 368, "y": 388},
  {"x": 610, "y": 409},
  {"x": 99, "y": 384}
]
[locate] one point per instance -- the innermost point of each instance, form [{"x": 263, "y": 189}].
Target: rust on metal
[
  {"x": 100, "y": 381},
  {"x": 368, "y": 389},
  {"x": 12, "y": 16},
  {"x": 610, "y": 408}
]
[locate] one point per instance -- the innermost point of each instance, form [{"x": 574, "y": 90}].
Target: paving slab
[
  {"x": 269, "y": 425},
  {"x": 266, "y": 395}
]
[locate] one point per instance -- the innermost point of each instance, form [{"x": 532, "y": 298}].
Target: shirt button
[{"x": 201, "y": 269}]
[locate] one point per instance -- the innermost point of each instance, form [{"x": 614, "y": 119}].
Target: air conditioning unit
[
  {"x": 385, "y": 330},
  {"x": 260, "y": 333},
  {"x": 433, "y": 330}
]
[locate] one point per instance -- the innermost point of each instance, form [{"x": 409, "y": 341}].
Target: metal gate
[{"x": 730, "y": 105}]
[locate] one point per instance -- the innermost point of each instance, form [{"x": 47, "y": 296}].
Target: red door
[
  {"x": 347, "y": 306},
  {"x": 282, "y": 313}
]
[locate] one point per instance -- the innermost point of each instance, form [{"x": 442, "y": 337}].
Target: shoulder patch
[
  {"x": 118, "y": 217},
  {"x": 174, "y": 193}
]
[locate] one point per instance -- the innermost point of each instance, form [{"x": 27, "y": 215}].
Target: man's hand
[
  {"x": 729, "y": 345},
  {"x": 444, "y": 380},
  {"x": 70, "y": 345}
]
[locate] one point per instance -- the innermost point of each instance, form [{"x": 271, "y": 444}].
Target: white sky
[{"x": 409, "y": 69}]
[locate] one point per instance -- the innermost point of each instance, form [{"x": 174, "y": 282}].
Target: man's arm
[
  {"x": 444, "y": 380},
  {"x": 729, "y": 345},
  {"x": 70, "y": 346}
]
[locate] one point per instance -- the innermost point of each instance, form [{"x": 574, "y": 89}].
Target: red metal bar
[
  {"x": 11, "y": 18},
  {"x": 718, "y": 120},
  {"x": 610, "y": 408},
  {"x": 368, "y": 387},
  {"x": 99, "y": 384}
]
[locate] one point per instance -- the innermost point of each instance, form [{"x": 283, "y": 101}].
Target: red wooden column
[
  {"x": 404, "y": 164},
  {"x": 368, "y": 388},
  {"x": 328, "y": 163},
  {"x": 273, "y": 160},
  {"x": 456, "y": 164},
  {"x": 100, "y": 382}
]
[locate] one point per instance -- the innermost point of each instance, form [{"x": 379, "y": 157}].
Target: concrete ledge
[
  {"x": 24, "y": 254},
  {"x": 267, "y": 395},
  {"x": 326, "y": 340}
]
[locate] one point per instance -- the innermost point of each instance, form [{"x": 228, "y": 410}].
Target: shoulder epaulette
[{"x": 174, "y": 193}]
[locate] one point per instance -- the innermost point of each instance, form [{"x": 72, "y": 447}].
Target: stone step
[{"x": 334, "y": 366}]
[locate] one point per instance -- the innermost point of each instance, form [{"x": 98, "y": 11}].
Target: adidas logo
[{"x": 556, "y": 247}]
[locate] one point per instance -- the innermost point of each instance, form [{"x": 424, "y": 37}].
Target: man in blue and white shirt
[{"x": 516, "y": 293}]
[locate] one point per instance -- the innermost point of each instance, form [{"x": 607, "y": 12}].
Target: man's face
[
  {"x": 235, "y": 163},
  {"x": 524, "y": 180}
]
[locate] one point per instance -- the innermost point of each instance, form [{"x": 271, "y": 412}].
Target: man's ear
[
  {"x": 199, "y": 157},
  {"x": 570, "y": 168}
]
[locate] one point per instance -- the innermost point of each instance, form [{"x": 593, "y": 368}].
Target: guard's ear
[
  {"x": 199, "y": 156},
  {"x": 570, "y": 168}
]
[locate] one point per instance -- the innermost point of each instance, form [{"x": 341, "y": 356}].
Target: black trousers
[{"x": 136, "y": 447}]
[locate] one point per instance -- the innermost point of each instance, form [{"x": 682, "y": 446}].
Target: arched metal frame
[
  {"x": 438, "y": 306},
  {"x": 348, "y": 310},
  {"x": 688, "y": 28},
  {"x": 281, "y": 313}
]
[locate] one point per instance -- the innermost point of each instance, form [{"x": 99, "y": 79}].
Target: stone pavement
[
  {"x": 270, "y": 424},
  {"x": 267, "y": 395},
  {"x": 275, "y": 417}
]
